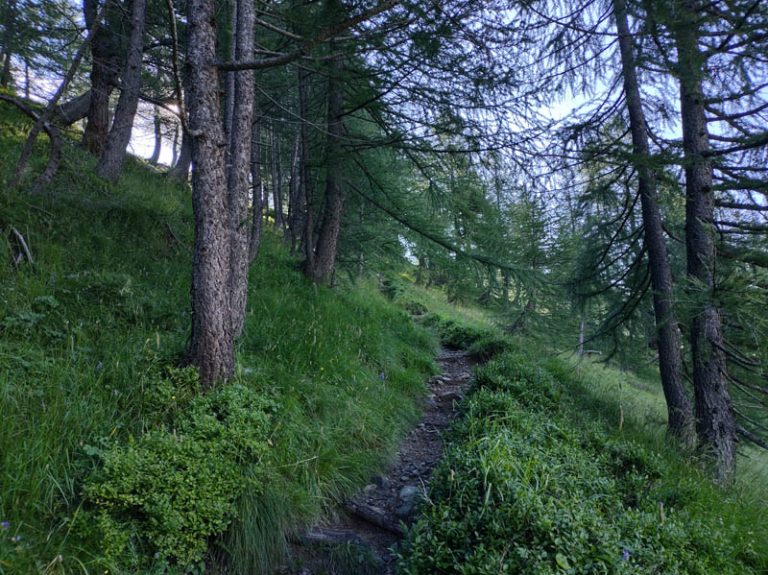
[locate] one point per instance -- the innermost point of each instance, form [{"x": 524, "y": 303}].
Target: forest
[{"x": 383, "y": 287}]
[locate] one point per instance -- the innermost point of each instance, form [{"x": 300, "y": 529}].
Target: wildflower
[
  {"x": 382, "y": 376},
  {"x": 5, "y": 525},
  {"x": 16, "y": 539},
  {"x": 625, "y": 554}
]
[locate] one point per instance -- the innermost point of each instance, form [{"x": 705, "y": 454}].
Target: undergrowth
[
  {"x": 110, "y": 460},
  {"x": 540, "y": 481}
]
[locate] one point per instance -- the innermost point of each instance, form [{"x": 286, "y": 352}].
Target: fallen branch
[
  {"x": 320, "y": 536},
  {"x": 374, "y": 516},
  {"x": 20, "y": 248}
]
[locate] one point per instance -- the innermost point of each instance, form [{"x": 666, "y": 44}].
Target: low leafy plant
[
  {"x": 529, "y": 488},
  {"x": 168, "y": 491}
]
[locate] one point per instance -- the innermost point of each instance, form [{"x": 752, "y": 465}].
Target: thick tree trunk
[
  {"x": 157, "y": 125},
  {"x": 679, "y": 410},
  {"x": 111, "y": 161},
  {"x": 333, "y": 208},
  {"x": 104, "y": 77},
  {"x": 211, "y": 347},
  {"x": 715, "y": 423},
  {"x": 219, "y": 196}
]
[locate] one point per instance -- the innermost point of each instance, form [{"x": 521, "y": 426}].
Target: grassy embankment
[
  {"x": 558, "y": 468},
  {"x": 110, "y": 461}
]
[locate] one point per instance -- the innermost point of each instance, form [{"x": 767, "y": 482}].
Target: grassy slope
[
  {"x": 88, "y": 333},
  {"x": 559, "y": 467}
]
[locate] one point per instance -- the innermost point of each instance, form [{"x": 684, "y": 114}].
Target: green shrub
[{"x": 172, "y": 488}]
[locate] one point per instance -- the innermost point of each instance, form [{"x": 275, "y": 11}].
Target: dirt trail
[{"x": 360, "y": 539}]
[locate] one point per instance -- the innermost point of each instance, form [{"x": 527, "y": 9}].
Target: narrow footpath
[{"x": 359, "y": 540}]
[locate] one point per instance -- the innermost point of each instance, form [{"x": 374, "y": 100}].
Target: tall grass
[{"x": 85, "y": 331}]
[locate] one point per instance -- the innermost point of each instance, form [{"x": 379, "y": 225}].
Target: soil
[{"x": 361, "y": 538}]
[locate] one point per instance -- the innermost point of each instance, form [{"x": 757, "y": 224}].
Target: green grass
[
  {"x": 545, "y": 475},
  {"x": 89, "y": 335}
]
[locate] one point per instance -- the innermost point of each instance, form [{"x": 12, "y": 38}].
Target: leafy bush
[{"x": 175, "y": 486}]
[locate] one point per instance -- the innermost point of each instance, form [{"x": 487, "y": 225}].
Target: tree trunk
[
  {"x": 295, "y": 209},
  {"x": 679, "y": 410},
  {"x": 219, "y": 196},
  {"x": 239, "y": 170},
  {"x": 333, "y": 208},
  {"x": 104, "y": 76},
  {"x": 9, "y": 17},
  {"x": 180, "y": 169},
  {"x": 111, "y": 163},
  {"x": 155, "y": 157},
  {"x": 257, "y": 208},
  {"x": 73, "y": 110},
  {"x": 303, "y": 208},
  {"x": 211, "y": 347},
  {"x": 277, "y": 178},
  {"x": 175, "y": 144},
  {"x": 229, "y": 83},
  {"x": 715, "y": 423}
]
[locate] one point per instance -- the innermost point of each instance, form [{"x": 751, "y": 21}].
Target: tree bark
[
  {"x": 219, "y": 196},
  {"x": 715, "y": 423},
  {"x": 295, "y": 207},
  {"x": 211, "y": 347},
  {"x": 104, "y": 77},
  {"x": 277, "y": 178},
  {"x": 111, "y": 162},
  {"x": 327, "y": 240},
  {"x": 679, "y": 409},
  {"x": 157, "y": 125},
  {"x": 257, "y": 204},
  {"x": 303, "y": 208},
  {"x": 239, "y": 171},
  {"x": 73, "y": 110},
  {"x": 180, "y": 169},
  {"x": 229, "y": 83}
]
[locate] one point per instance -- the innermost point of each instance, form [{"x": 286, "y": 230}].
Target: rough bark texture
[
  {"x": 111, "y": 161},
  {"x": 324, "y": 260},
  {"x": 239, "y": 170},
  {"x": 219, "y": 195},
  {"x": 104, "y": 77},
  {"x": 211, "y": 347},
  {"x": 715, "y": 424},
  {"x": 679, "y": 409}
]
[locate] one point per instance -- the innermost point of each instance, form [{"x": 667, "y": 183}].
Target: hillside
[{"x": 113, "y": 461}]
